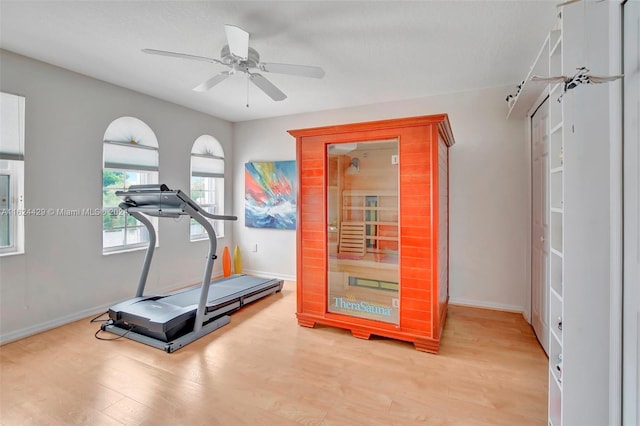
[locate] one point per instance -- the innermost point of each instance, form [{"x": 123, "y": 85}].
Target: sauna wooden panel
[{"x": 423, "y": 144}]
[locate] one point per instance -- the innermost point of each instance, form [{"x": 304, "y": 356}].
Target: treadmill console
[
  {"x": 161, "y": 201},
  {"x": 150, "y": 198}
]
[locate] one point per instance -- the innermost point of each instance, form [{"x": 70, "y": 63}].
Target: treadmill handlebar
[
  {"x": 170, "y": 212},
  {"x": 159, "y": 200},
  {"x": 151, "y": 187},
  {"x": 218, "y": 216}
]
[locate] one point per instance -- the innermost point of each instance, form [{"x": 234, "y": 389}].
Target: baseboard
[
  {"x": 48, "y": 325},
  {"x": 486, "y": 305}
]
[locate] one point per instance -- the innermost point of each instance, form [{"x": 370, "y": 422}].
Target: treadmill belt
[{"x": 220, "y": 291}]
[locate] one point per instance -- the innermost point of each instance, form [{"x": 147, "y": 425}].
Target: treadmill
[{"x": 171, "y": 321}]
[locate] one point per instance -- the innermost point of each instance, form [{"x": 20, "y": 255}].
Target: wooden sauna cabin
[{"x": 372, "y": 238}]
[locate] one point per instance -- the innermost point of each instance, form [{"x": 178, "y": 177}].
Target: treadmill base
[
  {"x": 175, "y": 344},
  {"x": 163, "y": 321}
]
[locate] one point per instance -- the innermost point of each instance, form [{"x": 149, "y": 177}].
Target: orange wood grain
[
  {"x": 412, "y": 222},
  {"x": 410, "y": 240},
  {"x": 348, "y": 130},
  {"x": 312, "y": 305},
  {"x": 435, "y": 196},
  {"x": 420, "y": 305},
  {"x": 415, "y": 263},
  {"x": 421, "y": 313},
  {"x": 419, "y": 252},
  {"x": 410, "y": 324},
  {"x": 415, "y": 200},
  {"x": 415, "y": 282},
  {"x": 419, "y": 272}
]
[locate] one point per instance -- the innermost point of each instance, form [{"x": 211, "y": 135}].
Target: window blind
[{"x": 11, "y": 127}]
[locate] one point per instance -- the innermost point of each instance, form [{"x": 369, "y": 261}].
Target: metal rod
[
  {"x": 211, "y": 256},
  {"x": 150, "y": 248},
  {"x": 131, "y": 145},
  {"x": 215, "y": 157}
]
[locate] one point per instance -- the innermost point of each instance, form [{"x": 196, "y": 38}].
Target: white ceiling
[{"x": 373, "y": 51}]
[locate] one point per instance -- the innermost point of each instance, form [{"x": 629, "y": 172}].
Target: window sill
[
  {"x": 126, "y": 250},
  {"x": 195, "y": 240},
  {"x": 12, "y": 253}
]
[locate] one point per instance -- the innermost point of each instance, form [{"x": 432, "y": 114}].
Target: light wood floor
[{"x": 265, "y": 369}]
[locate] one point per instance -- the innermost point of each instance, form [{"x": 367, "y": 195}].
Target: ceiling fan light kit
[{"x": 240, "y": 58}]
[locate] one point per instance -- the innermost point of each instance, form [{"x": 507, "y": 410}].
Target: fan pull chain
[{"x": 248, "y": 77}]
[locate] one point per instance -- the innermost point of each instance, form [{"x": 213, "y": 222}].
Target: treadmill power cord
[
  {"x": 112, "y": 338},
  {"x": 96, "y": 319},
  {"x": 109, "y": 321}
]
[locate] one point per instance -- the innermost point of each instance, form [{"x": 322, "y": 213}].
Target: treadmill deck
[
  {"x": 220, "y": 291},
  {"x": 168, "y": 317}
]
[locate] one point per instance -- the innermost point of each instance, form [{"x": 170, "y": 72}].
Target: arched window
[
  {"x": 130, "y": 157},
  {"x": 207, "y": 182}
]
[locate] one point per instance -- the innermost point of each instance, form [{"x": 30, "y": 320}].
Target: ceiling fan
[{"x": 240, "y": 58}]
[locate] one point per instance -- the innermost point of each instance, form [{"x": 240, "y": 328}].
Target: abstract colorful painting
[{"x": 270, "y": 195}]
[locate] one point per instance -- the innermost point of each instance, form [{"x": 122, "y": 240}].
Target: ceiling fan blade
[
  {"x": 180, "y": 55},
  {"x": 267, "y": 87},
  {"x": 238, "y": 40},
  {"x": 300, "y": 70},
  {"x": 212, "y": 82}
]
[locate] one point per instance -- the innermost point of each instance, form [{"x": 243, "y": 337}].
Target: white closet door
[{"x": 540, "y": 224}]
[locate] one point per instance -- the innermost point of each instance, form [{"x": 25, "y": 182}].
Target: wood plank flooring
[{"x": 264, "y": 369}]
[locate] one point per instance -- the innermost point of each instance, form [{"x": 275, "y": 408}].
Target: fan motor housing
[{"x": 252, "y": 60}]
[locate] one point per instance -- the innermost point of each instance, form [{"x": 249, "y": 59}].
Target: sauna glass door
[{"x": 362, "y": 229}]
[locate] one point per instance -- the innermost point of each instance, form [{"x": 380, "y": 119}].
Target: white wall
[
  {"x": 63, "y": 275},
  {"x": 490, "y": 192}
]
